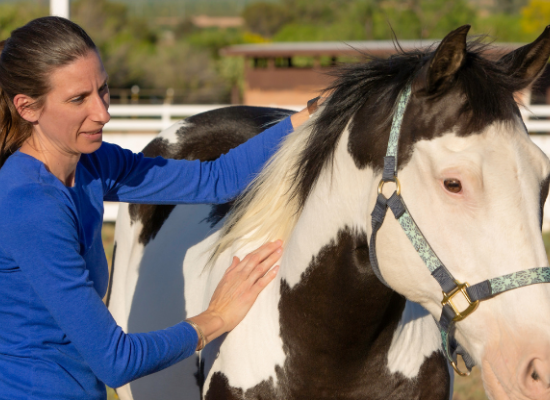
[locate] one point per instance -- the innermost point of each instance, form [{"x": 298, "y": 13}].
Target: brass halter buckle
[{"x": 448, "y": 299}]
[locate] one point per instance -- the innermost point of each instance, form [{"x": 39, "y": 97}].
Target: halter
[{"x": 485, "y": 290}]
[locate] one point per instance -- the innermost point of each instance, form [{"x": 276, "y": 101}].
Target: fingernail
[
  {"x": 279, "y": 242},
  {"x": 275, "y": 269}
]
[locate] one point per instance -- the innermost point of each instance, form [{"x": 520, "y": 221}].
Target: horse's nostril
[{"x": 535, "y": 376}]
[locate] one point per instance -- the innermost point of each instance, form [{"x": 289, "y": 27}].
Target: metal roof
[{"x": 376, "y": 47}]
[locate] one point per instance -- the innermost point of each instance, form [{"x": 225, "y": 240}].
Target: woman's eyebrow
[{"x": 87, "y": 92}]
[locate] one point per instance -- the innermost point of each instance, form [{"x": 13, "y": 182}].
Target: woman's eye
[
  {"x": 453, "y": 185},
  {"x": 77, "y": 100}
]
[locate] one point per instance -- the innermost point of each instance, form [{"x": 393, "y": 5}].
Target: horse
[{"x": 352, "y": 313}]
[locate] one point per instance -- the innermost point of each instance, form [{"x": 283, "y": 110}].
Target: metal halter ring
[
  {"x": 459, "y": 372},
  {"x": 397, "y": 184}
]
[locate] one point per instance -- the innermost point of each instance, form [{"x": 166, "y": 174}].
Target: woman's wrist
[{"x": 208, "y": 325}]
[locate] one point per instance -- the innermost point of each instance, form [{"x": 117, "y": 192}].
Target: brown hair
[{"x": 28, "y": 58}]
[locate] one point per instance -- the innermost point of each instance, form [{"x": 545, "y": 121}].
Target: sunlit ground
[{"x": 468, "y": 388}]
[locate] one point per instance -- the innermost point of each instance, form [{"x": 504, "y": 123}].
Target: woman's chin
[{"x": 90, "y": 142}]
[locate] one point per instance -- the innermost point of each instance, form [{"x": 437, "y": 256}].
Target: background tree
[
  {"x": 509, "y": 7},
  {"x": 265, "y": 18},
  {"x": 535, "y": 16},
  {"x": 14, "y": 15}
]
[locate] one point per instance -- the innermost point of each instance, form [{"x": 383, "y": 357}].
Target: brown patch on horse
[{"x": 337, "y": 325}]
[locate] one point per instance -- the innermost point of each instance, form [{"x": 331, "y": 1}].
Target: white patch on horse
[
  {"x": 416, "y": 330},
  {"x": 170, "y": 132},
  {"x": 333, "y": 205},
  {"x": 249, "y": 354}
]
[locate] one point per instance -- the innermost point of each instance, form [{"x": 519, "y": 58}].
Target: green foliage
[
  {"x": 135, "y": 53},
  {"x": 368, "y": 19},
  {"x": 265, "y": 18},
  {"x": 535, "y": 16},
  {"x": 504, "y": 28},
  {"x": 13, "y": 16},
  {"x": 509, "y": 7}
]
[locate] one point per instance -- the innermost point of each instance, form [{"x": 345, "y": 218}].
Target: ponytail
[
  {"x": 27, "y": 60},
  {"x": 14, "y": 130}
]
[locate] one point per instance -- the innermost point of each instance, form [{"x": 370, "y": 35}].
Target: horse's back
[{"x": 149, "y": 290}]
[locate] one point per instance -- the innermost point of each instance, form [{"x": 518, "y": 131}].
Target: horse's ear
[
  {"x": 527, "y": 62},
  {"x": 448, "y": 58}
]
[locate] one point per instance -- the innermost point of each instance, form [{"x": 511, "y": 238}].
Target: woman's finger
[
  {"x": 259, "y": 255},
  {"x": 234, "y": 264},
  {"x": 264, "y": 280},
  {"x": 260, "y": 270}
]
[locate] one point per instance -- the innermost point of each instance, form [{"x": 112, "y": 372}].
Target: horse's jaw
[{"x": 491, "y": 229}]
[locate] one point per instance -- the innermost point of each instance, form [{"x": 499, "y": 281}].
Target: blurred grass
[
  {"x": 466, "y": 388},
  {"x": 108, "y": 237}
]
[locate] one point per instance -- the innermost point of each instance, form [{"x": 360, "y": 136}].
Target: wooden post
[{"x": 60, "y": 8}]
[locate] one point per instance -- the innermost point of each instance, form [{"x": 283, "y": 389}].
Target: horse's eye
[{"x": 453, "y": 185}]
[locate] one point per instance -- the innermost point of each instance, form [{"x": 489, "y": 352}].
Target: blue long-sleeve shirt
[{"x": 57, "y": 338}]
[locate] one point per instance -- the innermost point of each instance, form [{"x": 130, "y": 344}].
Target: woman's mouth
[{"x": 93, "y": 134}]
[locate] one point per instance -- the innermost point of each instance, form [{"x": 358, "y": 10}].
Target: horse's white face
[{"x": 491, "y": 227}]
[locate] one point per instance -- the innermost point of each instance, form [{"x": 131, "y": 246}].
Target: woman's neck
[{"x": 60, "y": 163}]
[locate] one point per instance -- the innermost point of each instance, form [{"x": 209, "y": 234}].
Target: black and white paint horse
[{"x": 327, "y": 328}]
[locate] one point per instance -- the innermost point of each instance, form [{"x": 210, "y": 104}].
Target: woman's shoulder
[
  {"x": 28, "y": 187},
  {"x": 107, "y": 158}
]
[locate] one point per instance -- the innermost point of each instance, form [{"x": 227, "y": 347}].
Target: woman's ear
[{"x": 23, "y": 105}]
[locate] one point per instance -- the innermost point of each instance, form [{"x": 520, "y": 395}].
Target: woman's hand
[
  {"x": 237, "y": 291},
  {"x": 302, "y": 116}
]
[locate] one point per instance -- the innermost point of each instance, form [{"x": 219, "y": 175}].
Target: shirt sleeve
[
  {"x": 43, "y": 241},
  {"x": 134, "y": 178}
]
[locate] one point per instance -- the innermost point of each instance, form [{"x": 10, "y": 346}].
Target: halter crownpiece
[{"x": 485, "y": 290}]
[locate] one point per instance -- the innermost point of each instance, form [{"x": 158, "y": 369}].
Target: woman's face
[{"x": 75, "y": 109}]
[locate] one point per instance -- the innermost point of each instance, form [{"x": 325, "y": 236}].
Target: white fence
[
  {"x": 536, "y": 118},
  {"x": 130, "y": 118},
  {"x": 133, "y": 126}
]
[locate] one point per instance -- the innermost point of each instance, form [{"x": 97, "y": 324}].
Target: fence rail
[
  {"x": 133, "y": 126},
  {"x": 537, "y": 118},
  {"x": 130, "y": 118}
]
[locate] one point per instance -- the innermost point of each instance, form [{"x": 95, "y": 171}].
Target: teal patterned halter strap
[
  {"x": 485, "y": 290},
  {"x": 393, "y": 142}
]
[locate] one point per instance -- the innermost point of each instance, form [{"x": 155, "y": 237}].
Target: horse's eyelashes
[{"x": 453, "y": 185}]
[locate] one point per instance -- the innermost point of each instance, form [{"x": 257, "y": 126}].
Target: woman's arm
[
  {"x": 43, "y": 242},
  {"x": 134, "y": 178}
]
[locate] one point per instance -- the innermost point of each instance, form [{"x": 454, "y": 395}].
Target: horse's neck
[
  {"x": 338, "y": 201},
  {"x": 327, "y": 253},
  {"x": 331, "y": 233}
]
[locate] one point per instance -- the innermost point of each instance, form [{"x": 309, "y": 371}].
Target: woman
[{"x": 57, "y": 339}]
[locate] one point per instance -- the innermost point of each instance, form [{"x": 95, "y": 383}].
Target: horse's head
[{"x": 475, "y": 184}]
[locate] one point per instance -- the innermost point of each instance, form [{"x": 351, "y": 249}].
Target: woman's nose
[{"x": 100, "y": 111}]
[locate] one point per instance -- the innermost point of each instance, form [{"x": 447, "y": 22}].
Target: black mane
[{"x": 365, "y": 94}]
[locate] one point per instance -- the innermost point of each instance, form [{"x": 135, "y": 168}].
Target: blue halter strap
[{"x": 485, "y": 290}]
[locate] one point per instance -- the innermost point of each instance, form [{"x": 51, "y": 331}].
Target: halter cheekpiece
[{"x": 485, "y": 290}]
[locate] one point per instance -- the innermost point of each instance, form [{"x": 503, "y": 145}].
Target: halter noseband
[{"x": 451, "y": 287}]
